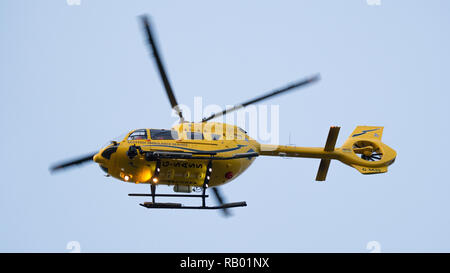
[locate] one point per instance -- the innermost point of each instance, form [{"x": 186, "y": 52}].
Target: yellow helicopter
[{"x": 197, "y": 156}]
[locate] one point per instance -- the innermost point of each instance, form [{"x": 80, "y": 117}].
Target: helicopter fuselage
[{"x": 223, "y": 141}]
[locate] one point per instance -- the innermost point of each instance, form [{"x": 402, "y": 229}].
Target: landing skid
[
  {"x": 151, "y": 205},
  {"x": 157, "y": 205}
]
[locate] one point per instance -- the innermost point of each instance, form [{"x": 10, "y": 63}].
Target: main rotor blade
[
  {"x": 73, "y": 162},
  {"x": 266, "y": 96},
  {"x": 220, "y": 200},
  {"x": 159, "y": 64}
]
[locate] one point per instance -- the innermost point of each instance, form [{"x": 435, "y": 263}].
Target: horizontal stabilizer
[
  {"x": 323, "y": 169},
  {"x": 329, "y": 147},
  {"x": 331, "y": 139}
]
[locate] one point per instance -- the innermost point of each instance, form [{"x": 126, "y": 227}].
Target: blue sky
[{"x": 74, "y": 77}]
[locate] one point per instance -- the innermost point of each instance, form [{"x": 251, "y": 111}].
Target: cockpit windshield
[{"x": 138, "y": 134}]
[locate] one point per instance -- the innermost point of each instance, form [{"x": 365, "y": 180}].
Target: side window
[
  {"x": 157, "y": 134},
  {"x": 138, "y": 134},
  {"x": 194, "y": 135}
]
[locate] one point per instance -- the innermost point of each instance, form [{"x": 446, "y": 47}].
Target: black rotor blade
[
  {"x": 220, "y": 200},
  {"x": 266, "y": 96},
  {"x": 73, "y": 162},
  {"x": 159, "y": 64}
]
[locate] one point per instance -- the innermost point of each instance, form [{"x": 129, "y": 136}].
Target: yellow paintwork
[{"x": 233, "y": 140}]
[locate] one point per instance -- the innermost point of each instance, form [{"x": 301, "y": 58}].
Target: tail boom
[{"x": 363, "y": 150}]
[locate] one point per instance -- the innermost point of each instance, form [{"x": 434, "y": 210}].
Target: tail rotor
[{"x": 368, "y": 151}]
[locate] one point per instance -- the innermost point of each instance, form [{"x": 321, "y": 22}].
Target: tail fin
[
  {"x": 372, "y": 155},
  {"x": 368, "y": 132}
]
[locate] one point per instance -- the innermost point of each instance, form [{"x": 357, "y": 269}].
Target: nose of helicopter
[{"x": 98, "y": 158}]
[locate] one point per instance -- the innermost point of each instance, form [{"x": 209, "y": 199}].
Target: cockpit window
[
  {"x": 138, "y": 134},
  {"x": 161, "y": 134},
  {"x": 194, "y": 135}
]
